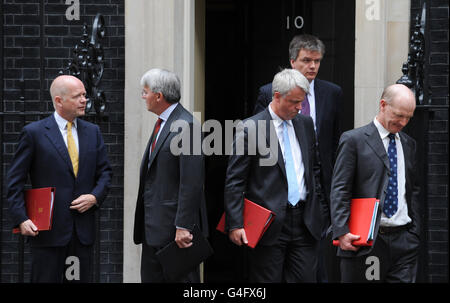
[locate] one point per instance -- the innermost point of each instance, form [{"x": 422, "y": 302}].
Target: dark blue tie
[{"x": 391, "y": 200}]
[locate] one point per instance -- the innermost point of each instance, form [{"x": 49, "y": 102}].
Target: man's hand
[
  {"x": 345, "y": 242},
  {"x": 238, "y": 236},
  {"x": 83, "y": 203},
  {"x": 27, "y": 228},
  {"x": 183, "y": 238}
]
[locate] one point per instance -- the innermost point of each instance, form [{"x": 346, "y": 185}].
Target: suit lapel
[
  {"x": 374, "y": 141},
  {"x": 145, "y": 158},
  {"x": 55, "y": 137},
  {"x": 407, "y": 155},
  {"x": 165, "y": 132},
  {"x": 302, "y": 140},
  {"x": 273, "y": 150},
  {"x": 82, "y": 144},
  {"x": 318, "y": 99}
]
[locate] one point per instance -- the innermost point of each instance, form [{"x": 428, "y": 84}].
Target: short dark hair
[{"x": 307, "y": 42}]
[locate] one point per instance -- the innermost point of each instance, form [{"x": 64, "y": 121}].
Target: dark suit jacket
[
  {"x": 328, "y": 100},
  {"x": 175, "y": 197},
  {"x": 267, "y": 185},
  {"x": 362, "y": 171},
  {"x": 42, "y": 154}
]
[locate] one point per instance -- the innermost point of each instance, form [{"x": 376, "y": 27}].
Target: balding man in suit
[
  {"x": 378, "y": 161},
  {"x": 68, "y": 153}
]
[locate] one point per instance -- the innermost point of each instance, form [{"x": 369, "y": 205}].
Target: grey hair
[
  {"x": 164, "y": 82},
  {"x": 307, "y": 42},
  {"x": 288, "y": 79}
]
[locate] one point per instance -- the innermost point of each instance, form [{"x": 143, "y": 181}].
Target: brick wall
[
  {"x": 438, "y": 143},
  {"x": 29, "y": 56},
  {"x": 436, "y": 216}
]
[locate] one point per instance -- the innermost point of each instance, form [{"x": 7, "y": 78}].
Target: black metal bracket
[{"x": 88, "y": 65}]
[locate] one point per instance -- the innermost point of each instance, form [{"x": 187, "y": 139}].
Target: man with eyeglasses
[
  {"x": 324, "y": 104},
  {"x": 170, "y": 199}
]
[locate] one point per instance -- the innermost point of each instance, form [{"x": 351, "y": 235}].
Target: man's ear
[
  {"x": 58, "y": 101},
  {"x": 276, "y": 95},
  {"x": 158, "y": 96},
  {"x": 292, "y": 63}
]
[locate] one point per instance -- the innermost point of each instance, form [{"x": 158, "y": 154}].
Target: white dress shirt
[
  {"x": 62, "y": 125},
  {"x": 401, "y": 216},
  {"x": 164, "y": 116},
  {"x": 312, "y": 103},
  {"x": 295, "y": 150}
]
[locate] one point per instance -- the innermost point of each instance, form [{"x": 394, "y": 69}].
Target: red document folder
[
  {"x": 256, "y": 221},
  {"x": 363, "y": 215},
  {"x": 39, "y": 204}
]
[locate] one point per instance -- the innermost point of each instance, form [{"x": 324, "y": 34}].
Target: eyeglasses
[{"x": 144, "y": 93}]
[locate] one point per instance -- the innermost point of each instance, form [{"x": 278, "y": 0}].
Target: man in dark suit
[
  {"x": 324, "y": 105},
  {"x": 378, "y": 161},
  {"x": 290, "y": 187},
  {"x": 170, "y": 200},
  {"x": 67, "y": 153}
]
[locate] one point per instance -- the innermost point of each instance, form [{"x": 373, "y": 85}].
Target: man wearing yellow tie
[{"x": 69, "y": 154}]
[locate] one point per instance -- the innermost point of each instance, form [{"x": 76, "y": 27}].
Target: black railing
[
  {"x": 413, "y": 69},
  {"x": 415, "y": 76},
  {"x": 87, "y": 64}
]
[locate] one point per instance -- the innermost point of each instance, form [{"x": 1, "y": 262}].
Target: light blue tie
[{"x": 293, "y": 189}]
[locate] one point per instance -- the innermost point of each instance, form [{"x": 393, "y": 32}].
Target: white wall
[{"x": 381, "y": 47}]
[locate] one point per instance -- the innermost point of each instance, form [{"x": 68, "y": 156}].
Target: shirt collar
[
  {"x": 277, "y": 120},
  {"x": 311, "y": 88},
  {"x": 382, "y": 131},
  {"x": 166, "y": 114},
  {"x": 62, "y": 123}
]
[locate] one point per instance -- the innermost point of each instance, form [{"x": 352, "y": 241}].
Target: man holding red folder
[
  {"x": 289, "y": 186},
  {"x": 378, "y": 161},
  {"x": 67, "y": 153}
]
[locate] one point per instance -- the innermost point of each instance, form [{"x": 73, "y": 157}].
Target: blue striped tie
[{"x": 391, "y": 201}]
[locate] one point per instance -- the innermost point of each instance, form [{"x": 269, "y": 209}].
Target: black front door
[{"x": 246, "y": 45}]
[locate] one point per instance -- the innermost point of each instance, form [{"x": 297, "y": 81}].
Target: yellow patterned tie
[{"x": 73, "y": 153}]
